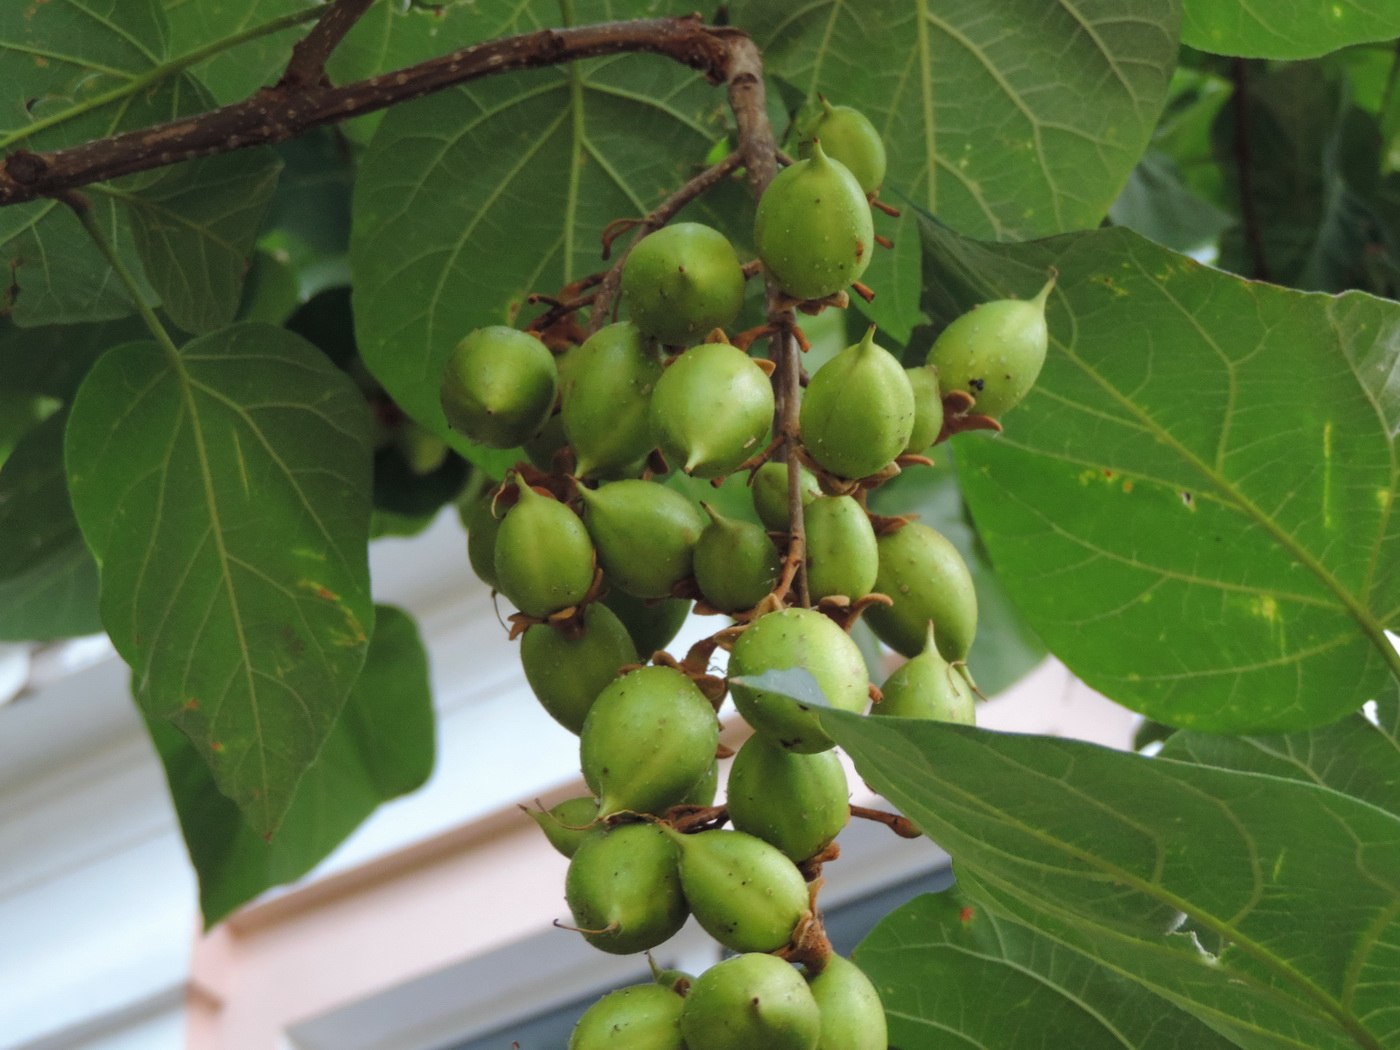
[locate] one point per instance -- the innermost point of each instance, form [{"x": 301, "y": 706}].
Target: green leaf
[
  {"x": 1285, "y": 28},
  {"x": 1158, "y": 204},
  {"x": 1006, "y": 647},
  {"x": 48, "y": 580},
  {"x": 381, "y": 747},
  {"x": 1268, "y": 909},
  {"x": 52, "y": 361},
  {"x": 1354, "y": 756},
  {"x": 1007, "y": 122},
  {"x": 235, "y": 74},
  {"x": 58, "y": 57},
  {"x": 956, "y": 975},
  {"x": 195, "y": 226},
  {"x": 225, "y": 492},
  {"x": 1193, "y": 507},
  {"x": 471, "y": 199}
]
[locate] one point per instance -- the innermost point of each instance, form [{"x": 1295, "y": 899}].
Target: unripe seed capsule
[
  {"x": 847, "y": 135},
  {"x": 750, "y": 1002},
  {"x": 645, "y": 533},
  {"x": 682, "y": 281},
  {"x": 568, "y": 824},
  {"x": 858, "y": 411},
  {"x": 770, "y": 494},
  {"x": 607, "y": 399},
  {"x": 651, "y": 623},
  {"x": 643, "y": 1017},
  {"x": 711, "y": 410},
  {"x": 544, "y": 558},
  {"x": 736, "y": 563},
  {"x": 842, "y": 557},
  {"x": 623, "y": 887},
  {"x": 929, "y": 583},
  {"x": 499, "y": 385},
  {"x": 567, "y": 674},
  {"x": 928, "y": 687},
  {"x": 797, "y": 803},
  {"x": 649, "y": 738},
  {"x": 853, "y": 1018},
  {"x": 928, "y": 408},
  {"x": 742, "y": 891}
]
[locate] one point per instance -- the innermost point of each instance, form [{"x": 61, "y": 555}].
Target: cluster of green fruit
[{"x": 602, "y": 561}]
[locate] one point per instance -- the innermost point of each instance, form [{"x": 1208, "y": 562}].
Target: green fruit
[
  {"x": 607, "y": 399},
  {"x": 770, "y": 494},
  {"x": 568, "y": 824},
  {"x": 847, "y": 135},
  {"x": 929, "y": 687},
  {"x": 682, "y": 281},
  {"x": 677, "y": 981},
  {"x": 483, "y": 526},
  {"x": 858, "y": 411},
  {"x": 813, "y": 229},
  {"x": 750, "y": 1002},
  {"x": 736, "y": 563},
  {"x": 797, "y": 803},
  {"x": 705, "y": 789},
  {"x": 499, "y": 386},
  {"x": 711, "y": 410},
  {"x": 797, "y": 638},
  {"x": 652, "y": 623},
  {"x": 567, "y": 674},
  {"x": 853, "y": 1018},
  {"x": 643, "y": 1017},
  {"x": 623, "y": 887},
  {"x": 422, "y": 450},
  {"x": 645, "y": 534},
  {"x": 994, "y": 351},
  {"x": 929, "y": 582},
  {"x": 648, "y": 740},
  {"x": 743, "y": 892},
  {"x": 928, "y": 408},
  {"x": 544, "y": 558},
  {"x": 841, "y": 554}
]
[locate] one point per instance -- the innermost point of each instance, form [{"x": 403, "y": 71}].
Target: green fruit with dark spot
[
  {"x": 711, "y": 410},
  {"x": 928, "y": 687},
  {"x": 567, "y": 673},
  {"x": 928, "y": 408},
  {"x": 750, "y": 1002},
  {"x": 736, "y": 563},
  {"x": 607, "y": 399},
  {"x": 858, "y": 411},
  {"x": 544, "y": 558},
  {"x": 770, "y": 494},
  {"x": 483, "y": 525},
  {"x": 743, "y": 892},
  {"x": 797, "y": 638},
  {"x": 797, "y": 803},
  {"x": 677, "y": 981},
  {"x": 682, "y": 281},
  {"x": 847, "y": 135},
  {"x": 994, "y": 352},
  {"x": 649, "y": 739},
  {"x": 645, "y": 534},
  {"x": 853, "y": 1018},
  {"x": 813, "y": 229},
  {"x": 652, "y": 623},
  {"x": 499, "y": 386},
  {"x": 925, "y": 576},
  {"x": 643, "y": 1017},
  {"x": 841, "y": 554},
  {"x": 568, "y": 824},
  {"x": 623, "y": 887}
]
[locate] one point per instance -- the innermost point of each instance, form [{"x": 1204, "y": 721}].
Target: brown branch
[
  {"x": 759, "y": 148},
  {"x": 271, "y": 116},
  {"x": 307, "y": 67},
  {"x": 664, "y": 213}
]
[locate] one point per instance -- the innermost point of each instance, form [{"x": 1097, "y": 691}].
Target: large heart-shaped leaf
[
  {"x": 953, "y": 974},
  {"x": 1285, "y": 28},
  {"x": 983, "y": 108},
  {"x": 381, "y": 747},
  {"x": 1194, "y": 506},
  {"x": 472, "y": 199},
  {"x": 1267, "y": 908},
  {"x": 224, "y": 491}
]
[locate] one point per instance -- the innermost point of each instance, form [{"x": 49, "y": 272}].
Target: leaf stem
[
  {"x": 308, "y": 62},
  {"x": 164, "y": 71},
  {"x": 82, "y": 208}
]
